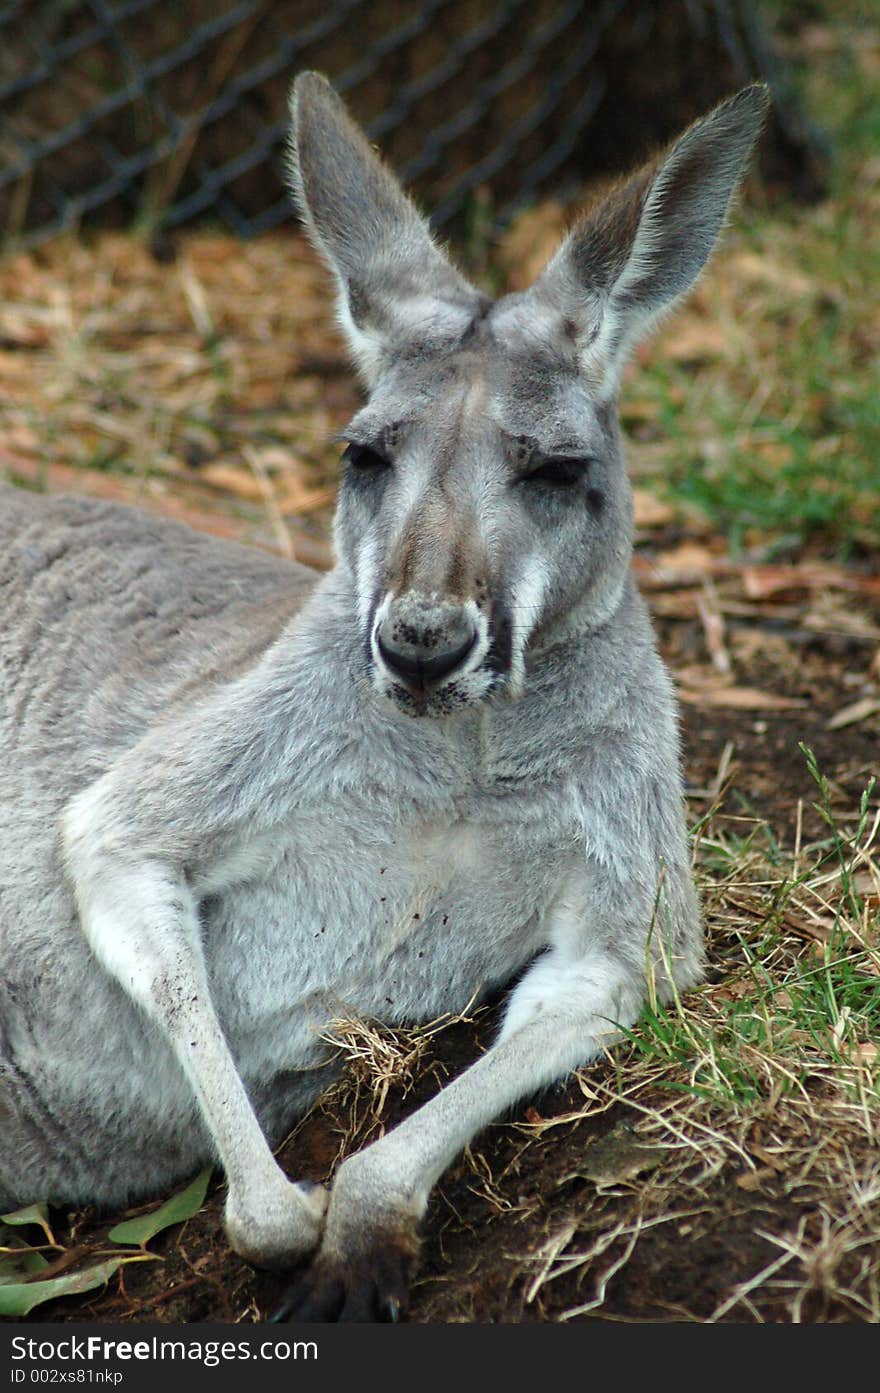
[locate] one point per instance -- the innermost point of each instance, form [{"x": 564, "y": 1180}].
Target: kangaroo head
[{"x": 484, "y": 512}]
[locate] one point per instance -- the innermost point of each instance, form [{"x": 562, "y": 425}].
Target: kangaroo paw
[{"x": 371, "y": 1287}]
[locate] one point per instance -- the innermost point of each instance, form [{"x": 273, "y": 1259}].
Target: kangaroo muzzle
[{"x": 422, "y": 642}]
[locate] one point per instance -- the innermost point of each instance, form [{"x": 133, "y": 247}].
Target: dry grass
[
  {"x": 206, "y": 388},
  {"x": 377, "y": 1061}
]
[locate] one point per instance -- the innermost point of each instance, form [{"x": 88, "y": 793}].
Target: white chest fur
[{"x": 362, "y": 917}]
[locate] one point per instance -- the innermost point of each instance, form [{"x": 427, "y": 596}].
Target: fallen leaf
[
  {"x": 233, "y": 479},
  {"x": 681, "y": 567},
  {"x": 675, "y": 604},
  {"x": 19, "y": 1298},
  {"x": 651, "y": 511},
  {"x": 739, "y": 699},
  {"x": 20, "y": 275},
  {"x": 773, "y": 452},
  {"x": 31, "y": 1214},
  {"x": 22, "y": 439},
  {"x": 816, "y": 930},
  {"x": 763, "y": 270},
  {"x": 689, "y": 557},
  {"x": 768, "y": 1157},
  {"x": 753, "y": 1180},
  {"x": 181, "y": 1206},
  {"x": 735, "y": 991},
  {"x": 14, "y": 366},
  {"x": 713, "y": 628},
  {"x": 695, "y": 341},
  {"x": 95, "y": 484},
  {"x": 214, "y": 249},
  {"x": 765, "y": 582},
  {"x": 616, "y": 1157},
  {"x": 699, "y": 677},
  {"x": 20, "y": 1266},
  {"x": 638, "y": 410},
  {"x": 853, "y": 714},
  {"x": 26, "y": 326},
  {"x": 530, "y": 241}
]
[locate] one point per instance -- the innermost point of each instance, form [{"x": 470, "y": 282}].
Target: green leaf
[
  {"x": 32, "y": 1214},
  {"x": 181, "y": 1206},
  {"x": 20, "y": 1265},
  {"x": 19, "y": 1298}
]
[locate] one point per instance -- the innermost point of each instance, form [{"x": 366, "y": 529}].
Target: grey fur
[{"x": 226, "y": 820}]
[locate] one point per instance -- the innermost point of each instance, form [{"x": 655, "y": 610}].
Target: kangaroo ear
[
  {"x": 630, "y": 259},
  {"x": 395, "y": 285}
]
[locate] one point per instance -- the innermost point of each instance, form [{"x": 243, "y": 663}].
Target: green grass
[
  {"x": 777, "y": 440},
  {"x": 790, "y": 1009}
]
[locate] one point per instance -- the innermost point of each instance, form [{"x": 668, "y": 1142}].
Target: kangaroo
[{"x": 238, "y": 800}]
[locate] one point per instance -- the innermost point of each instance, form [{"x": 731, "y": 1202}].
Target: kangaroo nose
[{"x": 422, "y": 656}]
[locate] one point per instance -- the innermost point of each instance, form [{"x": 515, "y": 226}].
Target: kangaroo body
[
  {"x": 412, "y": 872},
  {"x": 239, "y": 801}
]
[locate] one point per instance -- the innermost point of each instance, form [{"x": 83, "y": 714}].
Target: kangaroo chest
[{"x": 363, "y": 916}]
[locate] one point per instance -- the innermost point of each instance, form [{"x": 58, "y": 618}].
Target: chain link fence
[{"x": 155, "y": 113}]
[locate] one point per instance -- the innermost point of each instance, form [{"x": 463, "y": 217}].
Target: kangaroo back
[{"x": 118, "y": 613}]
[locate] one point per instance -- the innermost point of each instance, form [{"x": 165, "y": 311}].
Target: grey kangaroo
[{"x": 239, "y": 800}]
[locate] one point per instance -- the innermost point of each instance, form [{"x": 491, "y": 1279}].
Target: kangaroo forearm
[{"x": 142, "y": 925}]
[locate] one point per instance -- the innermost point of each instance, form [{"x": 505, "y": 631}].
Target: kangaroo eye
[
  {"x": 560, "y": 473},
  {"x": 361, "y": 457}
]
